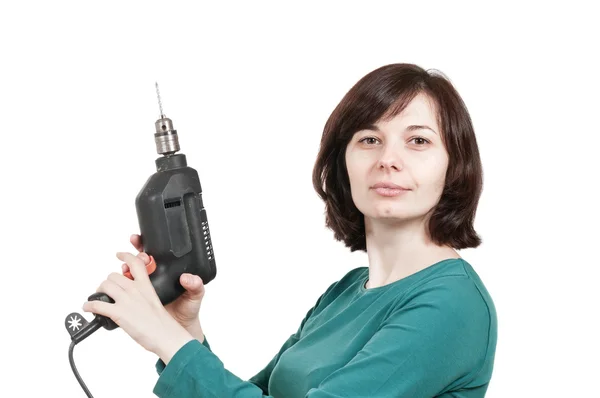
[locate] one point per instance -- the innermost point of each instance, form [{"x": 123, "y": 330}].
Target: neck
[{"x": 398, "y": 249}]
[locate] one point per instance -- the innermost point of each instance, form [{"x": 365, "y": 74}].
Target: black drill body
[{"x": 174, "y": 226}]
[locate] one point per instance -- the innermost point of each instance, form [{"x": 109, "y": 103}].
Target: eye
[
  {"x": 422, "y": 140},
  {"x": 368, "y": 138}
]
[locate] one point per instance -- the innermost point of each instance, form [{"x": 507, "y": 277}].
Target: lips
[{"x": 389, "y": 185}]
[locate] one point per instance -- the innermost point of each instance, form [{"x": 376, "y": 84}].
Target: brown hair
[{"x": 384, "y": 93}]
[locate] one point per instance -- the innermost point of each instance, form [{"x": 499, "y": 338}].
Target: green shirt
[{"x": 430, "y": 334}]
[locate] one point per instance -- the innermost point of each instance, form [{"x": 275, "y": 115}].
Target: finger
[
  {"x": 143, "y": 256},
  {"x": 136, "y": 266},
  {"x": 112, "y": 289},
  {"x": 100, "y": 308},
  {"x": 192, "y": 283},
  {"x": 120, "y": 280},
  {"x": 136, "y": 241}
]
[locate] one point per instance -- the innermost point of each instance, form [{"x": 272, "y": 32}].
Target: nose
[{"x": 389, "y": 159}]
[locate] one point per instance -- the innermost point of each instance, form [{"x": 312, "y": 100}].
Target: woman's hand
[
  {"x": 186, "y": 308},
  {"x": 138, "y": 310}
]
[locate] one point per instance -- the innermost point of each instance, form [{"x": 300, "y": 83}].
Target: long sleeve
[
  {"x": 160, "y": 364},
  {"x": 195, "y": 371}
]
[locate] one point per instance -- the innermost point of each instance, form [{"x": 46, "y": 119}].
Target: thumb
[{"x": 192, "y": 283}]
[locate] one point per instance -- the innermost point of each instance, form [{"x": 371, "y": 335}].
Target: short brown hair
[{"x": 381, "y": 94}]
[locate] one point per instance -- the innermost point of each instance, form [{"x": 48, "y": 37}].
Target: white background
[{"x": 249, "y": 86}]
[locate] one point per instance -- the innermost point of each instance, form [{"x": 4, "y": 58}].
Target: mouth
[
  {"x": 389, "y": 185},
  {"x": 390, "y": 191}
]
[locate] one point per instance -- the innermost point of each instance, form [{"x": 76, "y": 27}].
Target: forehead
[{"x": 421, "y": 110}]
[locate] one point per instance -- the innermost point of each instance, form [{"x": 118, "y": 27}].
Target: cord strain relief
[{"x": 86, "y": 331}]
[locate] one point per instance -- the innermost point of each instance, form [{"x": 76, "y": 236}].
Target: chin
[{"x": 388, "y": 211}]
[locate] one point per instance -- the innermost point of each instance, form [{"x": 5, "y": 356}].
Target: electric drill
[{"x": 173, "y": 228}]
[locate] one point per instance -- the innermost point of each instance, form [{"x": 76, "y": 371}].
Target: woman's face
[{"x": 399, "y": 153}]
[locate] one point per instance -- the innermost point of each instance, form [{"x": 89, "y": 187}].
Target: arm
[
  {"x": 197, "y": 333},
  {"x": 160, "y": 365},
  {"x": 196, "y": 371}
]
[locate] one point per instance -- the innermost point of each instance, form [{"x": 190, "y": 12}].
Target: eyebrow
[{"x": 412, "y": 127}]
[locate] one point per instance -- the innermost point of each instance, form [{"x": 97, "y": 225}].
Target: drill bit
[{"x": 162, "y": 116}]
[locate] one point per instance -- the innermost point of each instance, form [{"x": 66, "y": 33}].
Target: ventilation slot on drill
[
  {"x": 173, "y": 203},
  {"x": 207, "y": 241}
]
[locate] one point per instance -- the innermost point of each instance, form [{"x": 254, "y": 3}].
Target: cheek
[
  {"x": 432, "y": 176},
  {"x": 358, "y": 175},
  {"x": 357, "y": 167}
]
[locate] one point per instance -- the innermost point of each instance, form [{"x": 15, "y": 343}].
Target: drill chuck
[{"x": 167, "y": 142}]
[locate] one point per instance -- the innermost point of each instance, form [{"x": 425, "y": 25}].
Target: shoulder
[
  {"x": 452, "y": 304},
  {"x": 453, "y": 307},
  {"x": 457, "y": 287},
  {"x": 449, "y": 318}
]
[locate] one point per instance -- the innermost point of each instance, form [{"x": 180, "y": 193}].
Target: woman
[{"x": 400, "y": 174}]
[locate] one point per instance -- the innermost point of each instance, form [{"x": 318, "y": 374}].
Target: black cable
[
  {"x": 88, "y": 330},
  {"x": 77, "y": 376}
]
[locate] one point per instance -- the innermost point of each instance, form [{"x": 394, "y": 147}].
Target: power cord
[
  {"x": 79, "y": 329},
  {"x": 72, "y": 362}
]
